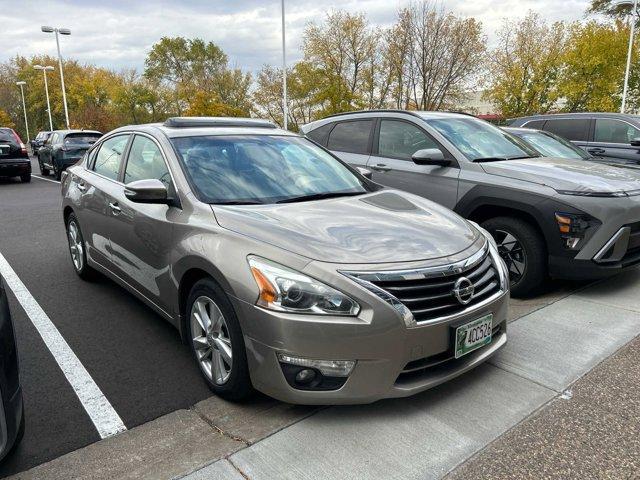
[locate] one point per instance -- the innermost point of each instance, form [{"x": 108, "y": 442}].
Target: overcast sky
[{"x": 119, "y": 33}]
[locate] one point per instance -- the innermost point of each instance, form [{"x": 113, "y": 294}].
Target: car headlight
[
  {"x": 575, "y": 228},
  {"x": 286, "y": 290},
  {"x": 495, "y": 254}
]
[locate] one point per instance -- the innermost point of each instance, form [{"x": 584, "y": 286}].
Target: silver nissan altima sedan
[{"x": 284, "y": 269}]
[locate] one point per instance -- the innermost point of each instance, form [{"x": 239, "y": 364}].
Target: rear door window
[
  {"x": 109, "y": 156},
  {"x": 320, "y": 135},
  {"x": 351, "y": 137},
  {"x": 569, "y": 128},
  {"x": 609, "y": 130}
]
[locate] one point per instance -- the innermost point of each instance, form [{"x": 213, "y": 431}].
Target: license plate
[{"x": 473, "y": 335}]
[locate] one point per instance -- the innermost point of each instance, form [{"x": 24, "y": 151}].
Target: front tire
[
  {"x": 523, "y": 249},
  {"x": 216, "y": 341},
  {"x": 78, "y": 250}
]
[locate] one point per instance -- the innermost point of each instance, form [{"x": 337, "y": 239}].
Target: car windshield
[
  {"x": 480, "y": 141},
  {"x": 73, "y": 138},
  {"x": 551, "y": 145},
  {"x": 246, "y": 169}
]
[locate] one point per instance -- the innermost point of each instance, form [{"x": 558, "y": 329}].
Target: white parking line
[
  {"x": 102, "y": 414},
  {"x": 45, "y": 179}
]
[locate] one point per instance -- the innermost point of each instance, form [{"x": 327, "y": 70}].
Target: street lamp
[
  {"x": 285, "y": 109},
  {"x": 634, "y": 5},
  {"x": 46, "y": 69},
  {"x": 24, "y": 108},
  {"x": 61, "y": 31}
]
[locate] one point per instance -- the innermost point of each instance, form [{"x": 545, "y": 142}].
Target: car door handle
[
  {"x": 381, "y": 167},
  {"x": 115, "y": 208},
  {"x": 596, "y": 151}
]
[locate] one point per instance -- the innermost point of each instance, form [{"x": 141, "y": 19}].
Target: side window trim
[{"x": 376, "y": 142}]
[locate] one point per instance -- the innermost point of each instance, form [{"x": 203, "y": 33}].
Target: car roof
[
  {"x": 546, "y": 116},
  {"x": 209, "y": 126},
  {"x": 67, "y": 132},
  {"x": 421, "y": 114}
]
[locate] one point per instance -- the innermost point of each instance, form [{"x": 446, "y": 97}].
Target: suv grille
[{"x": 431, "y": 295}]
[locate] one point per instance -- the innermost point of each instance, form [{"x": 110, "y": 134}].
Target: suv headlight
[
  {"x": 575, "y": 228},
  {"x": 286, "y": 290}
]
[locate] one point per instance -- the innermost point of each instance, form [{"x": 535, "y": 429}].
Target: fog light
[
  {"x": 330, "y": 368},
  {"x": 305, "y": 376}
]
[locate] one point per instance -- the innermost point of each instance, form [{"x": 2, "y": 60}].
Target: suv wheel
[
  {"x": 216, "y": 341},
  {"x": 57, "y": 172},
  {"x": 44, "y": 171},
  {"x": 25, "y": 178},
  {"x": 77, "y": 249},
  {"x": 523, "y": 249}
]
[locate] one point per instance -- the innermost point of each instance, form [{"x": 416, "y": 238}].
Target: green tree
[
  {"x": 593, "y": 66},
  {"x": 526, "y": 65},
  {"x": 5, "y": 120}
]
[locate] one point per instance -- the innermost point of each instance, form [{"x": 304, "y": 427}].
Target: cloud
[{"x": 118, "y": 34}]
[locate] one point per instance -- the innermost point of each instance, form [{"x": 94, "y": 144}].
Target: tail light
[{"x": 23, "y": 148}]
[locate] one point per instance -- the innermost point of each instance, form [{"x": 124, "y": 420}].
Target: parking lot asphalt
[{"x": 176, "y": 426}]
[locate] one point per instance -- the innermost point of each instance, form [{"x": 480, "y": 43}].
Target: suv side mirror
[
  {"x": 635, "y": 142},
  {"x": 430, "y": 156},
  {"x": 365, "y": 172},
  {"x": 147, "y": 191}
]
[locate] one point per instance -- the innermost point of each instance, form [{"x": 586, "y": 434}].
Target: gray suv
[
  {"x": 283, "y": 268},
  {"x": 566, "y": 218}
]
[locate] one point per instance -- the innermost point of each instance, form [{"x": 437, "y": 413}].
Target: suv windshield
[
  {"x": 81, "y": 138},
  {"x": 551, "y": 145},
  {"x": 481, "y": 141},
  {"x": 247, "y": 169}
]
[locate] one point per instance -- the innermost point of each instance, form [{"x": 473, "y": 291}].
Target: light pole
[
  {"x": 61, "y": 31},
  {"x": 285, "y": 109},
  {"x": 46, "y": 69},
  {"x": 634, "y": 5},
  {"x": 24, "y": 108}
]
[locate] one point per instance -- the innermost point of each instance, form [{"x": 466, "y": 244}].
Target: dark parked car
[
  {"x": 14, "y": 159},
  {"x": 11, "y": 409},
  {"x": 549, "y": 144},
  {"x": 550, "y": 216},
  {"x": 38, "y": 142},
  {"x": 613, "y": 136},
  {"x": 64, "y": 148}
]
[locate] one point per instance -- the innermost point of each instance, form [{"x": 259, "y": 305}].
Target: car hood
[
  {"x": 386, "y": 226},
  {"x": 568, "y": 175}
]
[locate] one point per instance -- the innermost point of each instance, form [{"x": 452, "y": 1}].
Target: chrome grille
[{"x": 430, "y": 294}]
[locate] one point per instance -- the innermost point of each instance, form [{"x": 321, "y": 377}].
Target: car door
[
  {"x": 395, "y": 141},
  {"x": 99, "y": 189},
  {"x": 351, "y": 140},
  {"x": 612, "y": 141},
  {"x": 140, "y": 235},
  {"x": 45, "y": 151}
]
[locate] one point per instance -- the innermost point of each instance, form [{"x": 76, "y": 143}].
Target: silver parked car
[{"x": 285, "y": 269}]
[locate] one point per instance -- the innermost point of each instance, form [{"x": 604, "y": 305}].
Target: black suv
[
  {"x": 14, "y": 159},
  {"x": 64, "y": 148},
  {"x": 11, "y": 407},
  {"x": 613, "y": 136}
]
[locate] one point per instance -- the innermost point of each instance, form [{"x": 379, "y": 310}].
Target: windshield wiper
[
  {"x": 501, "y": 159},
  {"x": 239, "y": 202},
  {"x": 319, "y": 196}
]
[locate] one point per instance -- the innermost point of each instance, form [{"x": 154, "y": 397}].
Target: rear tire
[
  {"x": 523, "y": 248},
  {"x": 25, "y": 178},
  {"x": 78, "y": 249},
  {"x": 44, "y": 171},
  {"x": 57, "y": 171},
  {"x": 222, "y": 330}
]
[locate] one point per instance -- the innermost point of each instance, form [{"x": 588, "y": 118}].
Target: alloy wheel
[
  {"x": 211, "y": 340},
  {"x": 75, "y": 245},
  {"x": 512, "y": 252}
]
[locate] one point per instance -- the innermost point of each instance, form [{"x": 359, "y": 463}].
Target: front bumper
[
  {"x": 15, "y": 168},
  {"x": 392, "y": 360}
]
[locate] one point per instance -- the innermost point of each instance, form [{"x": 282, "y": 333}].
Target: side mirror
[
  {"x": 430, "y": 156},
  {"x": 365, "y": 172},
  {"x": 147, "y": 191},
  {"x": 635, "y": 142}
]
